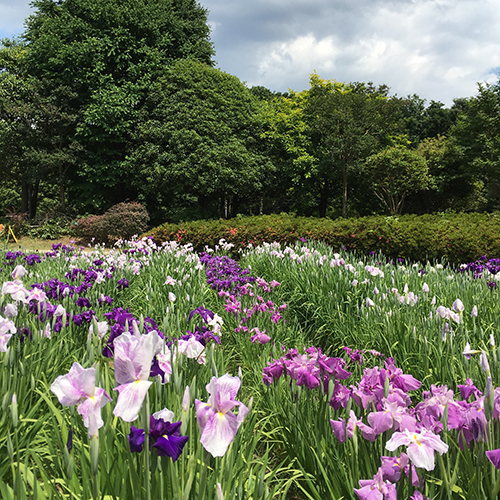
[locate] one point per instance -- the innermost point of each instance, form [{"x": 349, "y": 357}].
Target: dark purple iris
[
  {"x": 164, "y": 436},
  {"x": 122, "y": 284},
  {"x": 136, "y": 439}
]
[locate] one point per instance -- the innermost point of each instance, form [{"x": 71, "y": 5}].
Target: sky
[{"x": 437, "y": 49}]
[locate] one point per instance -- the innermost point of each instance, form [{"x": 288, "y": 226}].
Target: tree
[
  {"x": 423, "y": 122},
  {"x": 477, "y": 134},
  {"x": 450, "y": 185},
  {"x": 289, "y": 148},
  {"x": 198, "y": 141},
  {"x": 109, "y": 54},
  {"x": 347, "y": 122},
  {"x": 394, "y": 173},
  {"x": 36, "y": 130}
]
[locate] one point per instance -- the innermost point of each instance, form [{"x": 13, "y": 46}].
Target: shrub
[
  {"x": 123, "y": 220},
  {"x": 457, "y": 238}
]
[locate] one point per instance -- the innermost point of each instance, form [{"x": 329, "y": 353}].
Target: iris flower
[
  {"x": 421, "y": 446},
  {"x": 217, "y": 423},
  {"x": 164, "y": 435},
  {"x": 6, "y": 325},
  {"x": 77, "y": 387},
  {"x": 133, "y": 358}
]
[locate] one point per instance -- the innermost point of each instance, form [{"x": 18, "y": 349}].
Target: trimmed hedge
[{"x": 458, "y": 238}]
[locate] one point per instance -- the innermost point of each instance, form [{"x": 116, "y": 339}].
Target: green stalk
[
  {"x": 147, "y": 455},
  {"x": 94, "y": 464}
]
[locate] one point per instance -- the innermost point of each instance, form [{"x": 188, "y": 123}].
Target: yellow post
[{"x": 13, "y": 235}]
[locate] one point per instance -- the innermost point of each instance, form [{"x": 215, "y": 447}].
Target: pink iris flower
[
  {"x": 19, "y": 272},
  {"x": 6, "y": 325},
  {"x": 342, "y": 431},
  {"x": 376, "y": 488},
  {"x": 193, "y": 349},
  {"x": 217, "y": 423},
  {"x": 421, "y": 446},
  {"x": 16, "y": 289},
  {"x": 77, "y": 387},
  {"x": 259, "y": 336},
  {"x": 133, "y": 358}
]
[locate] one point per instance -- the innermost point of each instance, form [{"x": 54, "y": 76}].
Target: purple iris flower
[
  {"x": 164, "y": 435},
  {"x": 170, "y": 443},
  {"x": 122, "y": 284},
  {"x": 136, "y": 439},
  {"x": 494, "y": 457},
  {"x": 206, "y": 314}
]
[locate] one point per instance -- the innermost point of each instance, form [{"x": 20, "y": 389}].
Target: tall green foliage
[
  {"x": 394, "y": 173},
  {"x": 36, "y": 129},
  {"x": 198, "y": 140},
  {"x": 109, "y": 54},
  {"x": 347, "y": 123},
  {"x": 477, "y": 134}
]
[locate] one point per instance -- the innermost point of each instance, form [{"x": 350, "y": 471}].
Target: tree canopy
[
  {"x": 109, "y": 54},
  {"x": 198, "y": 137},
  {"x": 119, "y": 99}
]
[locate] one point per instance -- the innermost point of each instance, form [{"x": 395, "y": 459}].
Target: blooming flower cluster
[{"x": 311, "y": 368}]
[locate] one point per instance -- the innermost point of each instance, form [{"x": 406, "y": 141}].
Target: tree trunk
[
  {"x": 24, "y": 197},
  {"x": 323, "y": 198},
  {"x": 33, "y": 199},
  {"x": 344, "y": 190},
  {"x": 62, "y": 198}
]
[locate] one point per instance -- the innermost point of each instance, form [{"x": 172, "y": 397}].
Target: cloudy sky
[{"x": 438, "y": 49}]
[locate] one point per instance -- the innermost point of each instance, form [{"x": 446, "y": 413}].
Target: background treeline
[{"x": 119, "y": 100}]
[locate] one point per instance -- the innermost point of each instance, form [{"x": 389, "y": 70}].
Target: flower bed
[{"x": 153, "y": 372}]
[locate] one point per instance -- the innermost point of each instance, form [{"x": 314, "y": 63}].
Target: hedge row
[{"x": 457, "y": 238}]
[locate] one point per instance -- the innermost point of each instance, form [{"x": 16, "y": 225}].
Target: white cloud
[
  {"x": 438, "y": 49},
  {"x": 13, "y": 14},
  {"x": 302, "y": 54}
]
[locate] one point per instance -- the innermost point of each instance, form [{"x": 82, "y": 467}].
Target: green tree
[
  {"x": 198, "y": 141},
  {"x": 289, "y": 148},
  {"x": 477, "y": 134},
  {"x": 109, "y": 54},
  {"x": 423, "y": 121},
  {"x": 346, "y": 122},
  {"x": 451, "y": 186},
  {"x": 394, "y": 173},
  {"x": 36, "y": 130}
]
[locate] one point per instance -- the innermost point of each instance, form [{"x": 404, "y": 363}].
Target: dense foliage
[
  {"x": 455, "y": 237},
  {"x": 101, "y": 105}
]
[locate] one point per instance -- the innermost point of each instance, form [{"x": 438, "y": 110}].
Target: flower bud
[{"x": 13, "y": 410}]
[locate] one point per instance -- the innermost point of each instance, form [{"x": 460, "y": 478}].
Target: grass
[{"x": 27, "y": 244}]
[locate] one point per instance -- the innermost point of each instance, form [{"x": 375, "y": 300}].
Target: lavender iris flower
[
  {"x": 133, "y": 359},
  {"x": 218, "y": 424},
  {"x": 77, "y": 387}
]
